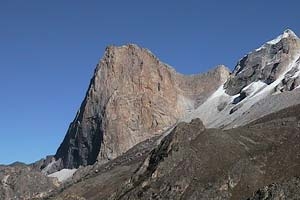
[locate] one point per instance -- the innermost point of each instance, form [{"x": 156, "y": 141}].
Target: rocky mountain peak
[
  {"x": 258, "y": 76},
  {"x": 266, "y": 63},
  {"x": 223, "y": 72},
  {"x": 289, "y": 33},
  {"x": 132, "y": 97}
]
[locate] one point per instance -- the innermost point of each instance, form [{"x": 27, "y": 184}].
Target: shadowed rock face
[
  {"x": 266, "y": 64},
  {"x": 132, "y": 96}
]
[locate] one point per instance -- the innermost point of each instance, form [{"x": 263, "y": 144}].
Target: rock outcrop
[
  {"x": 20, "y": 181},
  {"x": 255, "y": 84},
  {"x": 266, "y": 63},
  {"x": 132, "y": 97}
]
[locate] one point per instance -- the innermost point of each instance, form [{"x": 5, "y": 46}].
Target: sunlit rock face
[{"x": 132, "y": 96}]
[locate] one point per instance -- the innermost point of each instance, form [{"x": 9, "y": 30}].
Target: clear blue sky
[{"x": 48, "y": 51}]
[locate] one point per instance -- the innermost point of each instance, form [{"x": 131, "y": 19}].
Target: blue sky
[{"x": 49, "y": 49}]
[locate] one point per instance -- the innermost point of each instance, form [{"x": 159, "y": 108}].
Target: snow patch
[
  {"x": 276, "y": 40},
  {"x": 287, "y": 33},
  {"x": 221, "y": 109},
  {"x": 209, "y": 109},
  {"x": 298, "y": 70},
  {"x": 218, "y": 93},
  {"x": 260, "y": 48},
  {"x": 4, "y": 180},
  {"x": 253, "y": 88},
  {"x": 63, "y": 174}
]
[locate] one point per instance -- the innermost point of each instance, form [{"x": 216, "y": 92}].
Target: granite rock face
[
  {"x": 266, "y": 64},
  {"x": 132, "y": 97}
]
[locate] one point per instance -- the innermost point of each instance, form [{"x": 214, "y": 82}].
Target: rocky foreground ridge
[
  {"x": 259, "y": 161},
  {"x": 144, "y": 131}
]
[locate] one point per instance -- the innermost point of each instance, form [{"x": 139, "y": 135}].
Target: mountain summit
[
  {"x": 132, "y": 97},
  {"x": 249, "y": 92},
  {"x": 267, "y": 64}
]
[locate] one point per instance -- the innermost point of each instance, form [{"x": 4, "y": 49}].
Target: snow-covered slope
[
  {"x": 63, "y": 174},
  {"x": 287, "y": 33},
  {"x": 229, "y": 111}
]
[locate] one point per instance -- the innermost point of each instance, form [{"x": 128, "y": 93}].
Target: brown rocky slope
[{"x": 197, "y": 163}]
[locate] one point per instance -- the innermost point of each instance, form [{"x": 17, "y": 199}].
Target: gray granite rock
[{"x": 266, "y": 63}]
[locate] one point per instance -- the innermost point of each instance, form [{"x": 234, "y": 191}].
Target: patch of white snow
[
  {"x": 219, "y": 110},
  {"x": 260, "y": 48},
  {"x": 254, "y": 88},
  {"x": 4, "y": 180},
  {"x": 287, "y": 33},
  {"x": 209, "y": 109},
  {"x": 63, "y": 174},
  {"x": 298, "y": 70}
]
